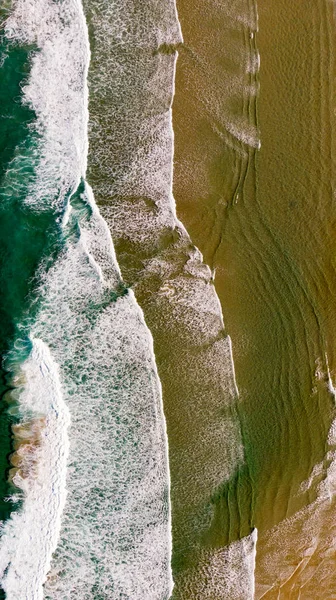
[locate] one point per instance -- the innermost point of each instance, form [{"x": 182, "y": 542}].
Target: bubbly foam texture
[
  {"x": 131, "y": 168},
  {"x": 138, "y": 181},
  {"x": 30, "y": 536},
  {"x": 56, "y": 91},
  {"x": 115, "y": 539}
]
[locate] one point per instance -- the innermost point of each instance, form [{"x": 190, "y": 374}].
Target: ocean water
[
  {"x": 167, "y": 324},
  {"x": 86, "y": 487},
  {"x": 19, "y": 225}
]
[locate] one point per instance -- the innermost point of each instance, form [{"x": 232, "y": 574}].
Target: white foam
[
  {"x": 117, "y": 517},
  {"x": 331, "y": 386},
  {"x": 56, "y": 91},
  {"x": 30, "y": 536},
  {"x": 115, "y": 539},
  {"x": 116, "y": 533},
  {"x": 133, "y": 166}
]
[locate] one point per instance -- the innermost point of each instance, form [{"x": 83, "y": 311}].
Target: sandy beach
[{"x": 262, "y": 217}]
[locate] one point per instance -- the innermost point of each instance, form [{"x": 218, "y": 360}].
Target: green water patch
[
  {"x": 15, "y": 117},
  {"x": 29, "y": 245},
  {"x": 24, "y": 232},
  {"x": 30, "y": 235}
]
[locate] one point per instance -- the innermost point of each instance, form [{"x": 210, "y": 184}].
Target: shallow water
[
  {"x": 264, "y": 220},
  {"x": 203, "y": 333}
]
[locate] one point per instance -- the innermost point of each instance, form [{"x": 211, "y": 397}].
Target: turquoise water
[
  {"x": 14, "y": 134},
  {"x": 73, "y": 342},
  {"x": 27, "y": 236}
]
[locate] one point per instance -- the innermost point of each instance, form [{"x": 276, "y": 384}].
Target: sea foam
[
  {"x": 115, "y": 538},
  {"x": 30, "y": 536},
  {"x": 57, "y": 93},
  {"x": 130, "y": 168}
]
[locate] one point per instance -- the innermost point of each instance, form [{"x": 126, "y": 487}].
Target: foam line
[
  {"x": 30, "y": 537},
  {"x": 133, "y": 177},
  {"x": 115, "y": 538},
  {"x": 118, "y": 444}
]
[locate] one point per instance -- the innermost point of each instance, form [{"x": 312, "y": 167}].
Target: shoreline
[
  {"x": 172, "y": 284},
  {"x": 273, "y": 264}
]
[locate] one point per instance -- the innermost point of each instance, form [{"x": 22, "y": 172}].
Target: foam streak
[
  {"x": 31, "y": 535},
  {"x": 115, "y": 539}
]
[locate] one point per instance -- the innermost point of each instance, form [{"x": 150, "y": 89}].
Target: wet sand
[{"x": 264, "y": 220}]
